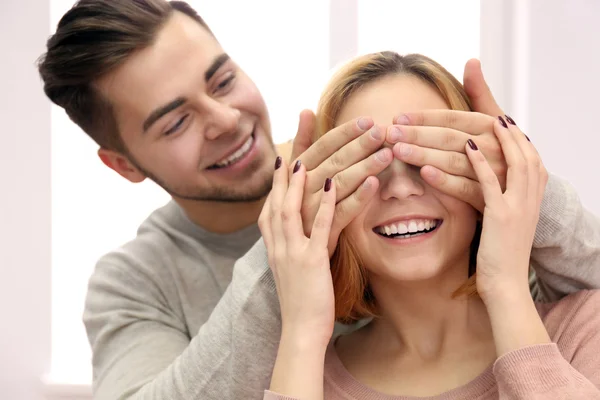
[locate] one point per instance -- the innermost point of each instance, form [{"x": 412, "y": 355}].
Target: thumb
[
  {"x": 306, "y": 128},
  {"x": 478, "y": 90}
]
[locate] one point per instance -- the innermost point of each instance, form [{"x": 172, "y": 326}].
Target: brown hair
[
  {"x": 353, "y": 297},
  {"x": 92, "y": 39}
]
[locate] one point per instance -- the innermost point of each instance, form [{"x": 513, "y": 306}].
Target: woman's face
[{"x": 409, "y": 231}]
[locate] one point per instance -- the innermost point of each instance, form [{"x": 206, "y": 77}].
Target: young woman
[{"x": 446, "y": 287}]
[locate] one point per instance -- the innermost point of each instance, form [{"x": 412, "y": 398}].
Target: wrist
[
  {"x": 305, "y": 339},
  {"x": 515, "y": 321}
]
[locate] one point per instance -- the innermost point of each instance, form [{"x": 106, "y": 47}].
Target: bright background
[{"x": 61, "y": 209}]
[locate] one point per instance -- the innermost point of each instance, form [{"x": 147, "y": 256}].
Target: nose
[
  {"x": 220, "y": 119},
  {"x": 400, "y": 181}
]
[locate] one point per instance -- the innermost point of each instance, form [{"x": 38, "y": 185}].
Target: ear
[{"x": 121, "y": 164}]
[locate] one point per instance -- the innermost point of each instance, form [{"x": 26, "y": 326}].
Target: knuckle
[
  {"x": 336, "y": 161},
  {"x": 450, "y": 118},
  {"x": 340, "y": 181},
  {"x": 456, "y": 162},
  {"x": 466, "y": 188},
  {"x": 521, "y": 167},
  {"x": 449, "y": 138},
  {"x": 287, "y": 215}
]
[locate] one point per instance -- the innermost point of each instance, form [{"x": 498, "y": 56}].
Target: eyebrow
[
  {"x": 162, "y": 111},
  {"x": 178, "y": 102},
  {"x": 214, "y": 67}
]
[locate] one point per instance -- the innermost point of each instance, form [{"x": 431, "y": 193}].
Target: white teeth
[
  {"x": 402, "y": 229},
  {"x": 408, "y": 228},
  {"x": 238, "y": 154},
  {"x": 412, "y": 227}
]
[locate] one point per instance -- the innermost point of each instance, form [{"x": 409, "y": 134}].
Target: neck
[
  {"x": 423, "y": 320},
  {"x": 221, "y": 217}
]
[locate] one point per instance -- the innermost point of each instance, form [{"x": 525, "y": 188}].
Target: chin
[{"x": 410, "y": 269}]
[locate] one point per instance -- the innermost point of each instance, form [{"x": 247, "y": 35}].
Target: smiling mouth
[
  {"x": 408, "y": 229},
  {"x": 236, "y": 156}
]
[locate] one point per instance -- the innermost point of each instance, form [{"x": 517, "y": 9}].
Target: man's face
[{"x": 191, "y": 119}]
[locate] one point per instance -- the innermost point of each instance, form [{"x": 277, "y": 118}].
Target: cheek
[{"x": 246, "y": 96}]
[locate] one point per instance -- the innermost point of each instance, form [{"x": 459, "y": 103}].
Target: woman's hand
[
  {"x": 509, "y": 224},
  {"x": 300, "y": 264},
  {"x": 509, "y": 218},
  {"x": 302, "y": 274}
]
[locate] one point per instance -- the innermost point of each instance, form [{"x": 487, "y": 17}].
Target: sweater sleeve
[
  {"x": 567, "y": 369},
  {"x": 566, "y": 248},
  {"x": 275, "y": 396},
  {"x": 141, "y": 351}
]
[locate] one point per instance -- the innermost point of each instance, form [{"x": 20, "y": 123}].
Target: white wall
[
  {"x": 24, "y": 202},
  {"x": 542, "y": 58}
]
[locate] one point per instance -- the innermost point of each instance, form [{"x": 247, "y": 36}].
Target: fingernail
[
  {"x": 364, "y": 123},
  {"x": 510, "y": 120},
  {"x": 402, "y": 120},
  {"x": 277, "y": 163},
  {"x": 405, "y": 150},
  {"x": 382, "y": 155},
  {"x": 472, "y": 144},
  {"x": 327, "y": 184},
  {"x": 375, "y": 133},
  {"x": 297, "y": 166},
  {"x": 395, "y": 134},
  {"x": 527, "y": 137},
  {"x": 502, "y": 121}
]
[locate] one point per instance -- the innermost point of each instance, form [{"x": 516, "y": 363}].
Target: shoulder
[{"x": 573, "y": 319}]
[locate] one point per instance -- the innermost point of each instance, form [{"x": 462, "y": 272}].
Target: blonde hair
[{"x": 353, "y": 297}]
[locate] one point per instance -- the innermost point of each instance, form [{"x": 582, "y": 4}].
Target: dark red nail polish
[
  {"x": 278, "y": 161},
  {"x": 297, "y": 166},
  {"x": 502, "y": 121},
  {"x": 472, "y": 145},
  {"x": 510, "y": 120},
  {"x": 527, "y": 137},
  {"x": 327, "y": 184}
]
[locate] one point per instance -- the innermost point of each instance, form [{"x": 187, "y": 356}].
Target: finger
[
  {"x": 350, "y": 207},
  {"x": 448, "y": 161},
  {"x": 347, "y": 181},
  {"x": 517, "y": 173},
  {"x": 278, "y": 192},
  {"x": 290, "y": 212},
  {"x": 488, "y": 181},
  {"x": 321, "y": 229},
  {"x": 432, "y": 137},
  {"x": 469, "y": 122},
  {"x": 264, "y": 224},
  {"x": 304, "y": 136},
  {"x": 536, "y": 170},
  {"x": 345, "y": 157},
  {"x": 459, "y": 187},
  {"x": 478, "y": 90},
  {"x": 334, "y": 140}
]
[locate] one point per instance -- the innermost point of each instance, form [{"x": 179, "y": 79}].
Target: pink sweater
[{"x": 568, "y": 368}]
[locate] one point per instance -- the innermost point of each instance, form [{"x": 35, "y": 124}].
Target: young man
[{"x": 167, "y": 314}]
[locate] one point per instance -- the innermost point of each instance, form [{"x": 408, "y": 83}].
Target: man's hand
[
  {"x": 352, "y": 156},
  {"x": 435, "y": 140}
]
